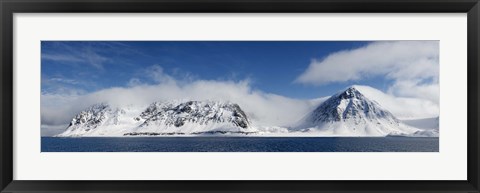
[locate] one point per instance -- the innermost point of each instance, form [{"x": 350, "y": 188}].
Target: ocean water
[{"x": 240, "y": 144}]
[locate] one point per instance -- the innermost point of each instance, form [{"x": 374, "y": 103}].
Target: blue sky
[{"x": 270, "y": 66}]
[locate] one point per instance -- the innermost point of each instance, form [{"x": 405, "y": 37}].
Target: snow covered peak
[
  {"x": 154, "y": 109},
  {"x": 93, "y": 119},
  {"x": 351, "y": 113},
  {"x": 349, "y": 104},
  {"x": 350, "y": 93},
  {"x": 198, "y": 112},
  {"x": 92, "y": 116},
  {"x": 160, "y": 118}
]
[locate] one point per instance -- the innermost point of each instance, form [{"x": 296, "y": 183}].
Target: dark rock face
[
  {"x": 240, "y": 118},
  {"x": 91, "y": 117},
  {"x": 154, "y": 109},
  {"x": 152, "y": 133},
  {"x": 198, "y": 112},
  {"x": 94, "y": 117},
  {"x": 350, "y": 104}
]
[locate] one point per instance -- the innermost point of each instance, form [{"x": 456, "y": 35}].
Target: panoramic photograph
[{"x": 240, "y": 96}]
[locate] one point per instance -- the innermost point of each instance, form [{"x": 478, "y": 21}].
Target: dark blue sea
[{"x": 240, "y": 144}]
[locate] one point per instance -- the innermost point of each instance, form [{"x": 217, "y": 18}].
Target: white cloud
[
  {"x": 64, "y": 80},
  {"x": 51, "y": 130},
  {"x": 134, "y": 82},
  {"x": 412, "y": 65},
  {"x": 58, "y": 109},
  {"x": 91, "y": 57},
  {"x": 413, "y": 88},
  {"x": 157, "y": 74},
  {"x": 402, "y": 107},
  {"x": 80, "y": 54},
  {"x": 61, "y": 57}
]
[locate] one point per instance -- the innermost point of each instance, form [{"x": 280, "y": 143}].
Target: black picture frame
[{"x": 9, "y": 7}]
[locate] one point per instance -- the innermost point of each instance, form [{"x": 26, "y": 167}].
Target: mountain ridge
[
  {"x": 346, "y": 113},
  {"x": 158, "y": 118}
]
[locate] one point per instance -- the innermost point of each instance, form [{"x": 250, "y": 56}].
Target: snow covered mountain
[
  {"x": 101, "y": 119},
  {"x": 160, "y": 118},
  {"x": 347, "y": 113},
  {"x": 193, "y": 117},
  {"x": 350, "y": 113}
]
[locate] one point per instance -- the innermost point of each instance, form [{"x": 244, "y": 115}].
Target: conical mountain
[{"x": 351, "y": 113}]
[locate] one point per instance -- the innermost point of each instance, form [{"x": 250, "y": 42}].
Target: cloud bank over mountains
[{"x": 264, "y": 107}]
